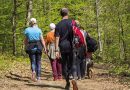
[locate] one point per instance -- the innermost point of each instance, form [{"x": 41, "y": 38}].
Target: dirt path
[{"x": 18, "y": 78}]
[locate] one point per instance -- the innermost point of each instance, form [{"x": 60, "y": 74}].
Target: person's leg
[
  {"x": 38, "y": 65},
  {"x": 54, "y": 69},
  {"x": 33, "y": 65},
  {"x": 83, "y": 68},
  {"x": 88, "y": 59},
  {"x": 74, "y": 65},
  {"x": 70, "y": 63},
  {"x": 65, "y": 69},
  {"x": 82, "y": 62},
  {"x": 78, "y": 68},
  {"x": 59, "y": 69}
]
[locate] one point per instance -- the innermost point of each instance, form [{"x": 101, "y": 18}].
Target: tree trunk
[
  {"x": 29, "y": 11},
  {"x": 121, "y": 39},
  {"x": 98, "y": 30},
  {"x": 14, "y": 25}
]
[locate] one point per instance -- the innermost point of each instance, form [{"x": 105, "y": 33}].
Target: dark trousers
[
  {"x": 75, "y": 65},
  {"x": 83, "y": 68},
  {"x": 56, "y": 68},
  {"x": 35, "y": 60},
  {"x": 79, "y": 62},
  {"x": 82, "y": 61},
  {"x": 67, "y": 59}
]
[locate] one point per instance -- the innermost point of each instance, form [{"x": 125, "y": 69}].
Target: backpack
[
  {"x": 78, "y": 38},
  {"x": 92, "y": 44}
]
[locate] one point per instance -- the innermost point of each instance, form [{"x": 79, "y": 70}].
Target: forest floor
[{"x": 18, "y": 78}]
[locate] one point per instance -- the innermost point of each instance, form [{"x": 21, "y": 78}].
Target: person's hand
[
  {"x": 57, "y": 55},
  {"x": 45, "y": 51}
]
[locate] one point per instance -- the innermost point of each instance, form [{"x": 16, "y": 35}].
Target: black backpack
[{"x": 92, "y": 44}]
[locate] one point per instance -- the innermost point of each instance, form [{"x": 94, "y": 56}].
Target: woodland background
[{"x": 108, "y": 21}]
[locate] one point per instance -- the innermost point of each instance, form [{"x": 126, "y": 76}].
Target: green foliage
[
  {"x": 114, "y": 25},
  {"x": 122, "y": 70}
]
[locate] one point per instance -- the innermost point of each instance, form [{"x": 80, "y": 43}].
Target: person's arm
[
  {"x": 57, "y": 44},
  {"x": 57, "y": 47},
  {"x": 83, "y": 32},
  {"x": 85, "y": 42},
  {"x": 25, "y": 41},
  {"x": 57, "y": 37},
  {"x": 43, "y": 42},
  {"x": 47, "y": 43}
]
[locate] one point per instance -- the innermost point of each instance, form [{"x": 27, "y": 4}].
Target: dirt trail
[{"x": 18, "y": 78}]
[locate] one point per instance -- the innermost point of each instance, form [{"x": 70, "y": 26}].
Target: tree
[
  {"x": 14, "y": 23},
  {"x": 29, "y": 11},
  {"x": 98, "y": 30}
]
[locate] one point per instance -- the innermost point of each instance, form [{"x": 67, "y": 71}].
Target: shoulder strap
[{"x": 64, "y": 36}]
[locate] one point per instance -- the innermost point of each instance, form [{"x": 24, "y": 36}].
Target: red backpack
[{"x": 78, "y": 38}]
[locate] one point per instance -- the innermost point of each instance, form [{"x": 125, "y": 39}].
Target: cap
[
  {"x": 33, "y": 20},
  {"x": 52, "y": 26}
]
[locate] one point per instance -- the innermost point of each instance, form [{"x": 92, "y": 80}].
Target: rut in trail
[{"x": 18, "y": 78}]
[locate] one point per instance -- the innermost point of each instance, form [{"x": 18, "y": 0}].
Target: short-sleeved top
[
  {"x": 64, "y": 30},
  {"x": 33, "y": 33},
  {"x": 50, "y": 37}
]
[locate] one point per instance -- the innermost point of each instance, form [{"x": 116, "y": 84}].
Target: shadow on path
[
  {"x": 18, "y": 77},
  {"x": 45, "y": 85},
  {"x": 46, "y": 74}
]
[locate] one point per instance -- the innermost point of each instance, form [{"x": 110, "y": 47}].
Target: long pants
[
  {"x": 79, "y": 67},
  {"x": 67, "y": 59},
  {"x": 35, "y": 60},
  {"x": 56, "y": 68},
  {"x": 75, "y": 65},
  {"x": 79, "y": 63}
]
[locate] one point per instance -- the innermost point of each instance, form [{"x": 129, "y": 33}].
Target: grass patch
[{"x": 7, "y": 62}]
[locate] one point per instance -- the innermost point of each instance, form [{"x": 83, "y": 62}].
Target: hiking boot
[
  {"x": 67, "y": 87},
  {"x": 74, "y": 83}
]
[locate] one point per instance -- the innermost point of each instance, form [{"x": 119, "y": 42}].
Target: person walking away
[
  {"x": 89, "y": 62},
  {"x": 55, "y": 62},
  {"x": 84, "y": 50},
  {"x": 92, "y": 46},
  {"x": 34, "y": 43},
  {"x": 80, "y": 52},
  {"x": 64, "y": 38}
]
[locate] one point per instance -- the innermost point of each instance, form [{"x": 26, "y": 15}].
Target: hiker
[
  {"x": 55, "y": 62},
  {"x": 84, "y": 51},
  {"x": 80, "y": 53},
  {"x": 64, "y": 38},
  {"x": 34, "y": 43},
  {"x": 91, "y": 47}
]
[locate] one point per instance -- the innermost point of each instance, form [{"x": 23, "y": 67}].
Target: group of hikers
[{"x": 66, "y": 47}]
